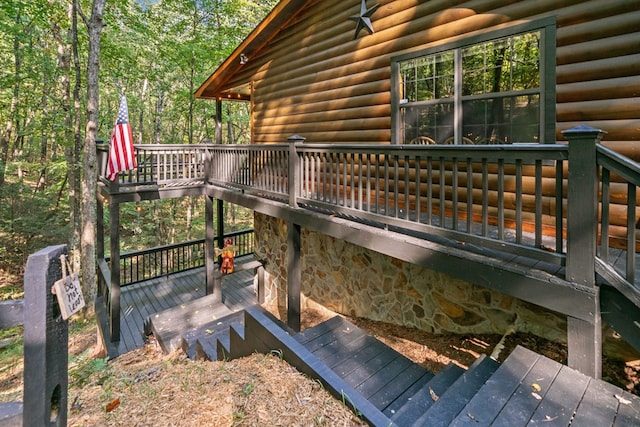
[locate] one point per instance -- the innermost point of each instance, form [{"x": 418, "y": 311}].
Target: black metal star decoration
[{"x": 363, "y": 19}]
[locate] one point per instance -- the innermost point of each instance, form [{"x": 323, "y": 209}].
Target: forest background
[{"x": 65, "y": 64}]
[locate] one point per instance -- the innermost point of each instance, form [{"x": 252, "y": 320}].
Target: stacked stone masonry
[{"x": 355, "y": 281}]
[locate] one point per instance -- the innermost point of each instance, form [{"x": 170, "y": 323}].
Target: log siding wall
[{"x": 314, "y": 79}]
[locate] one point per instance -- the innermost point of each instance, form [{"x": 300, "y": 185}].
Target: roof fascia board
[{"x": 283, "y": 13}]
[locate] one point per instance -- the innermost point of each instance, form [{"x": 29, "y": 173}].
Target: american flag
[{"x": 121, "y": 154}]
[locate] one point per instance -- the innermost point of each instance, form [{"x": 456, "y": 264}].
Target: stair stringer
[{"x": 263, "y": 333}]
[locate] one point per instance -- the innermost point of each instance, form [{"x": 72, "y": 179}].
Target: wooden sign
[{"x": 68, "y": 292}]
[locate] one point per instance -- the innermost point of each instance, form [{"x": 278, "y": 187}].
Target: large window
[{"x": 495, "y": 88}]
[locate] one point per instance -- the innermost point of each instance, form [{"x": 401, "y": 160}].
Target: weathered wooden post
[
  {"x": 209, "y": 241},
  {"x": 45, "y": 342},
  {"x": 114, "y": 286},
  {"x": 294, "y": 261},
  {"x": 584, "y": 338}
]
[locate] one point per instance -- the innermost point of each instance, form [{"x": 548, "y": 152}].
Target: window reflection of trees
[{"x": 499, "y": 96}]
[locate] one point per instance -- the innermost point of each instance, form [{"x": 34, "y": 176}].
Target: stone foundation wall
[{"x": 354, "y": 281}]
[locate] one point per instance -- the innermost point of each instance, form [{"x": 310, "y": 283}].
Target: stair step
[
  {"x": 169, "y": 325},
  {"x": 408, "y": 395},
  {"x": 264, "y": 333},
  {"x": 219, "y": 347},
  {"x": 315, "y": 333},
  {"x": 456, "y": 397},
  {"x": 533, "y": 390},
  {"x": 397, "y": 385},
  {"x": 417, "y": 400},
  {"x": 490, "y": 399},
  {"x": 378, "y": 372},
  {"x": 211, "y": 331}
]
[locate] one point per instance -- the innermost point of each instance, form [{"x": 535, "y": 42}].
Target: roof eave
[{"x": 278, "y": 18}]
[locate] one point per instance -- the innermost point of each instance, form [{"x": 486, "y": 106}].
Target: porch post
[
  {"x": 114, "y": 286},
  {"x": 294, "y": 169},
  {"x": 212, "y": 286},
  {"x": 584, "y": 337},
  {"x": 294, "y": 276},
  {"x": 218, "y": 135},
  {"x": 100, "y": 227},
  {"x": 294, "y": 262}
]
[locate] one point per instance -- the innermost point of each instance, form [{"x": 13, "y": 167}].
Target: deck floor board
[{"x": 144, "y": 299}]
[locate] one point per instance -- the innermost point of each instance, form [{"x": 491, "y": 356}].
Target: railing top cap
[{"x": 582, "y": 129}]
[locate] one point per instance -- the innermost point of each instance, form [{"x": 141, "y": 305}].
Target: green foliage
[
  {"x": 83, "y": 369},
  {"x": 31, "y": 219},
  {"x": 159, "y": 52},
  {"x": 148, "y": 224},
  {"x": 247, "y": 389}
]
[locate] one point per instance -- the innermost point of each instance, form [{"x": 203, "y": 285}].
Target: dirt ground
[{"x": 147, "y": 388}]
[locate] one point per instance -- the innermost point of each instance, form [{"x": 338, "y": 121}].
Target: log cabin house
[
  {"x": 448, "y": 165},
  {"x": 444, "y": 72}
]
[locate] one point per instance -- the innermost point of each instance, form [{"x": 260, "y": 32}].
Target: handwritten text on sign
[{"x": 69, "y": 295}]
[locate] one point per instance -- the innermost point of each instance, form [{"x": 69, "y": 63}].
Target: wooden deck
[
  {"x": 144, "y": 299},
  {"x": 386, "y": 389}
]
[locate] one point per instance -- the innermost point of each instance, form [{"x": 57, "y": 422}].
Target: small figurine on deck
[{"x": 227, "y": 253}]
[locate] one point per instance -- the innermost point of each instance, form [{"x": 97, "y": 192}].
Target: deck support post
[
  {"x": 294, "y": 276},
  {"x": 114, "y": 286},
  {"x": 99, "y": 226},
  {"x": 584, "y": 337},
  {"x": 260, "y": 283},
  {"x": 213, "y": 287},
  {"x": 294, "y": 262}
]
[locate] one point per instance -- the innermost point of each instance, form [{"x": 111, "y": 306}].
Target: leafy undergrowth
[{"x": 147, "y": 388}]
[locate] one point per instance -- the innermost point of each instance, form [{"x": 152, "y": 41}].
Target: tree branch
[{"x": 82, "y": 15}]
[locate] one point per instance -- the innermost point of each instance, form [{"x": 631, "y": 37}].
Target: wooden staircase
[{"x": 386, "y": 388}]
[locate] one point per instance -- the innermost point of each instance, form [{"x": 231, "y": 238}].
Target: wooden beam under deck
[{"x": 503, "y": 272}]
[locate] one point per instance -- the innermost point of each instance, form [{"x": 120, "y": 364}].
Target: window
[{"x": 495, "y": 88}]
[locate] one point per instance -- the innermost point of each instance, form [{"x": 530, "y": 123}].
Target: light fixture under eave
[{"x": 243, "y": 59}]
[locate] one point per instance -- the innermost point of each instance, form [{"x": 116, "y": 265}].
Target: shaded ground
[{"x": 147, "y": 388}]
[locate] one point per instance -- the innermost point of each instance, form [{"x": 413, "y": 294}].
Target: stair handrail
[{"x": 625, "y": 171}]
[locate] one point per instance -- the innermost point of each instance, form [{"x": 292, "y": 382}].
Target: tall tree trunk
[
  {"x": 66, "y": 47},
  {"x": 9, "y": 127},
  {"x": 159, "y": 110},
  {"x": 143, "y": 97},
  {"x": 76, "y": 147},
  {"x": 89, "y": 177}
]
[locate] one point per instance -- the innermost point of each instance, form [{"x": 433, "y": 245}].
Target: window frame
[{"x": 547, "y": 28}]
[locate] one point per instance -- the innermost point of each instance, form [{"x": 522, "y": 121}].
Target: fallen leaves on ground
[{"x": 154, "y": 389}]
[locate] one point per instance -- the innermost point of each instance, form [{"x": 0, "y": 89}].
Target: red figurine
[{"x": 227, "y": 253}]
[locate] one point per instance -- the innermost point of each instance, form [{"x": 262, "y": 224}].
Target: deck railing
[
  {"x": 620, "y": 178},
  {"x": 161, "y": 164},
  {"x": 506, "y": 197},
  {"x": 510, "y": 198},
  {"x": 262, "y": 168},
  {"x": 488, "y": 195},
  {"x": 138, "y": 266}
]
